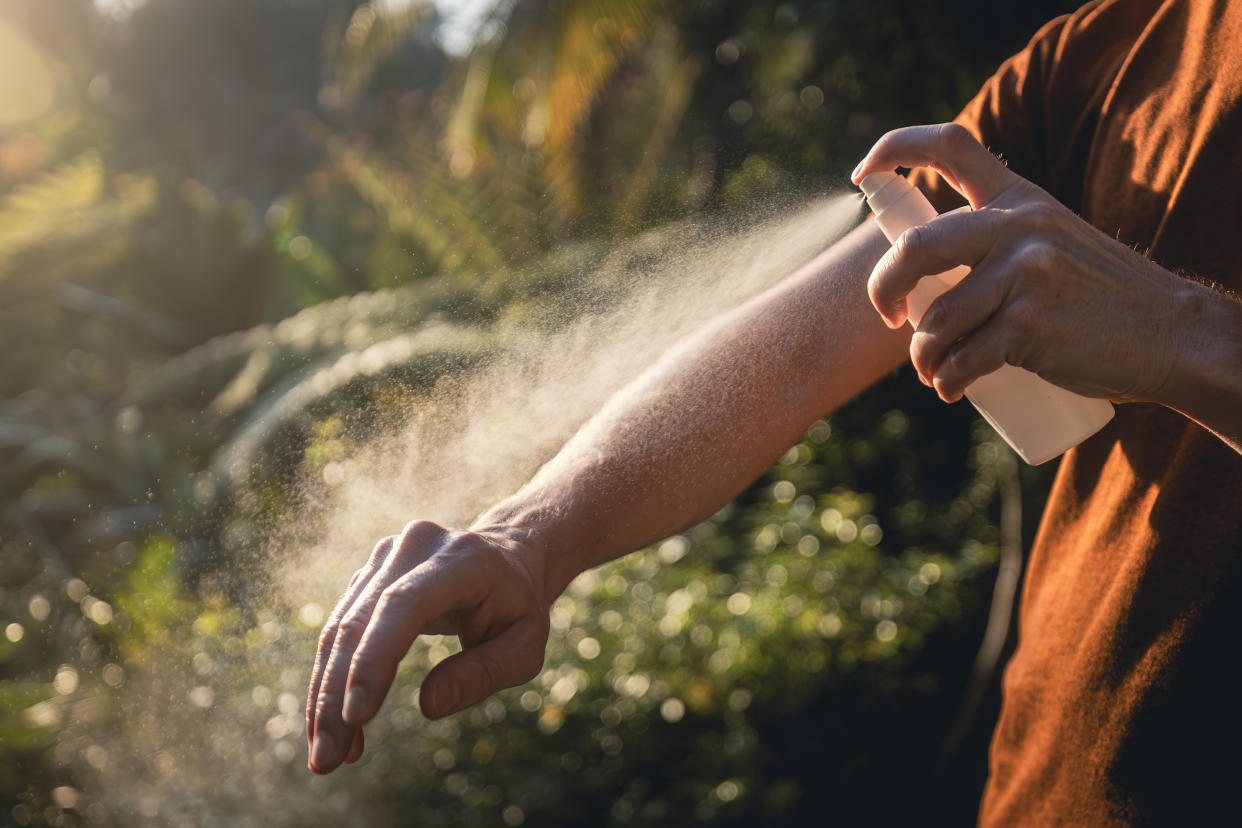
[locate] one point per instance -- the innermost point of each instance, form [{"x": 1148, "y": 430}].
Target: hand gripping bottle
[{"x": 1040, "y": 420}]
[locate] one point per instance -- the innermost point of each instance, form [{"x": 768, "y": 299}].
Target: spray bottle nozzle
[
  {"x": 875, "y": 182},
  {"x": 883, "y": 189}
]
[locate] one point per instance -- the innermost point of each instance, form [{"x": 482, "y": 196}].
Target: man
[{"x": 1127, "y": 112}]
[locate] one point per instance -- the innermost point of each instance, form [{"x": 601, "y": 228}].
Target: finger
[
  {"x": 514, "y": 657},
  {"x": 442, "y": 626},
  {"x": 957, "y": 238},
  {"x": 977, "y": 355},
  {"x": 432, "y": 589},
  {"x": 949, "y": 149},
  {"x": 332, "y": 737},
  {"x": 327, "y": 637},
  {"x": 955, "y": 315},
  {"x": 356, "y": 749}
]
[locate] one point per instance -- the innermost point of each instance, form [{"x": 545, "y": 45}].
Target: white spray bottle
[{"x": 1040, "y": 420}]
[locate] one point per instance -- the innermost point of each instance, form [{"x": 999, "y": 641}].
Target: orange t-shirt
[{"x": 1117, "y": 704}]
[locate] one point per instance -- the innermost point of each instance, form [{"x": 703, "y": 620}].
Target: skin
[
  {"x": 1045, "y": 289},
  {"x": 696, "y": 429},
  {"x": 665, "y": 453}
]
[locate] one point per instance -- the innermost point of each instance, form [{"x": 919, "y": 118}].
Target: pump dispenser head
[
  {"x": 883, "y": 189},
  {"x": 875, "y": 182}
]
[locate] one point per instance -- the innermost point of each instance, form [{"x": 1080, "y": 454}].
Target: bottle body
[{"x": 1038, "y": 419}]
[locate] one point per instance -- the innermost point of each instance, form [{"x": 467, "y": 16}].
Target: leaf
[{"x": 67, "y": 213}]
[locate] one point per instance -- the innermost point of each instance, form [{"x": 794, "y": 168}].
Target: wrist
[{"x": 536, "y": 538}]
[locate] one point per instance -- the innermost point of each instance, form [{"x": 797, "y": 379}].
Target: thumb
[
  {"x": 514, "y": 657},
  {"x": 949, "y": 149}
]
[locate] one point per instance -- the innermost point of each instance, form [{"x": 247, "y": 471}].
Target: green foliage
[
  {"x": 151, "y": 601},
  {"x": 664, "y": 673},
  {"x": 245, "y": 232}
]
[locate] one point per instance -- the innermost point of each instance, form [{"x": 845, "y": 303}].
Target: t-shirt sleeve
[{"x": 1039, "y": 111}]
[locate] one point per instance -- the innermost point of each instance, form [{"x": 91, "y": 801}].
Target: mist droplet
[{"x": 202, "y": 696}]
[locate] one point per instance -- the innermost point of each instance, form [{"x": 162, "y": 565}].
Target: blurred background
[{"x": 205, "y": 202}]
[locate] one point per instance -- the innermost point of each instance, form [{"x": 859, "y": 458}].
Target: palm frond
[
  {"x": 421, "y": 203},
  {"x": 370, "y": 36},
  {"x": 415, "y": 358}
]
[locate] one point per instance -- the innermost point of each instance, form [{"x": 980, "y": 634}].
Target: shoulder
[{"x": 1039, "y": 110}]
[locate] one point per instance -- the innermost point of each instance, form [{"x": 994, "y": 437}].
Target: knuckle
[
  {"x": 414, "y": 541},
  {"x": 911, "y": 243},
  {"x": 1036, "y": 256},
  {"x": 378, "y": 553},
  {"x": 956, "y": 136},
  {"x": 1039, "y": 215},
  {"x": 360, "y": 664},
  {"x": 397, "y": 592},
  {"x": 464, "y": 549},
  {"x": 419, "y": 528},
  {"x": 887, "y": 138},
  {"x": 352, "y": 628},
  {"x": 457, "y": 543},
  {"x": 398, "y": 597},
  {"x": 326, "y": 636},
  {"x": 327, "y": 710},
  {"x": 404, "y": 554}
]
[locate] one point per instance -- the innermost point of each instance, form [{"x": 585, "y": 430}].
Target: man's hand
[
  {"x": 1047, "y": 291},
  {"x": 484, "y": 587}
]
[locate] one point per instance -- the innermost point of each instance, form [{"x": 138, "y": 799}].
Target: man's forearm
[
  {"x": 691, "y": 433},
  {"x": 667, "y": 451}
]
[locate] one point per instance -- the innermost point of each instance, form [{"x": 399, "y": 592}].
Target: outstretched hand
[
  {"x": 485, "y": 588},
  {"x": 1047, "y": 291}
]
